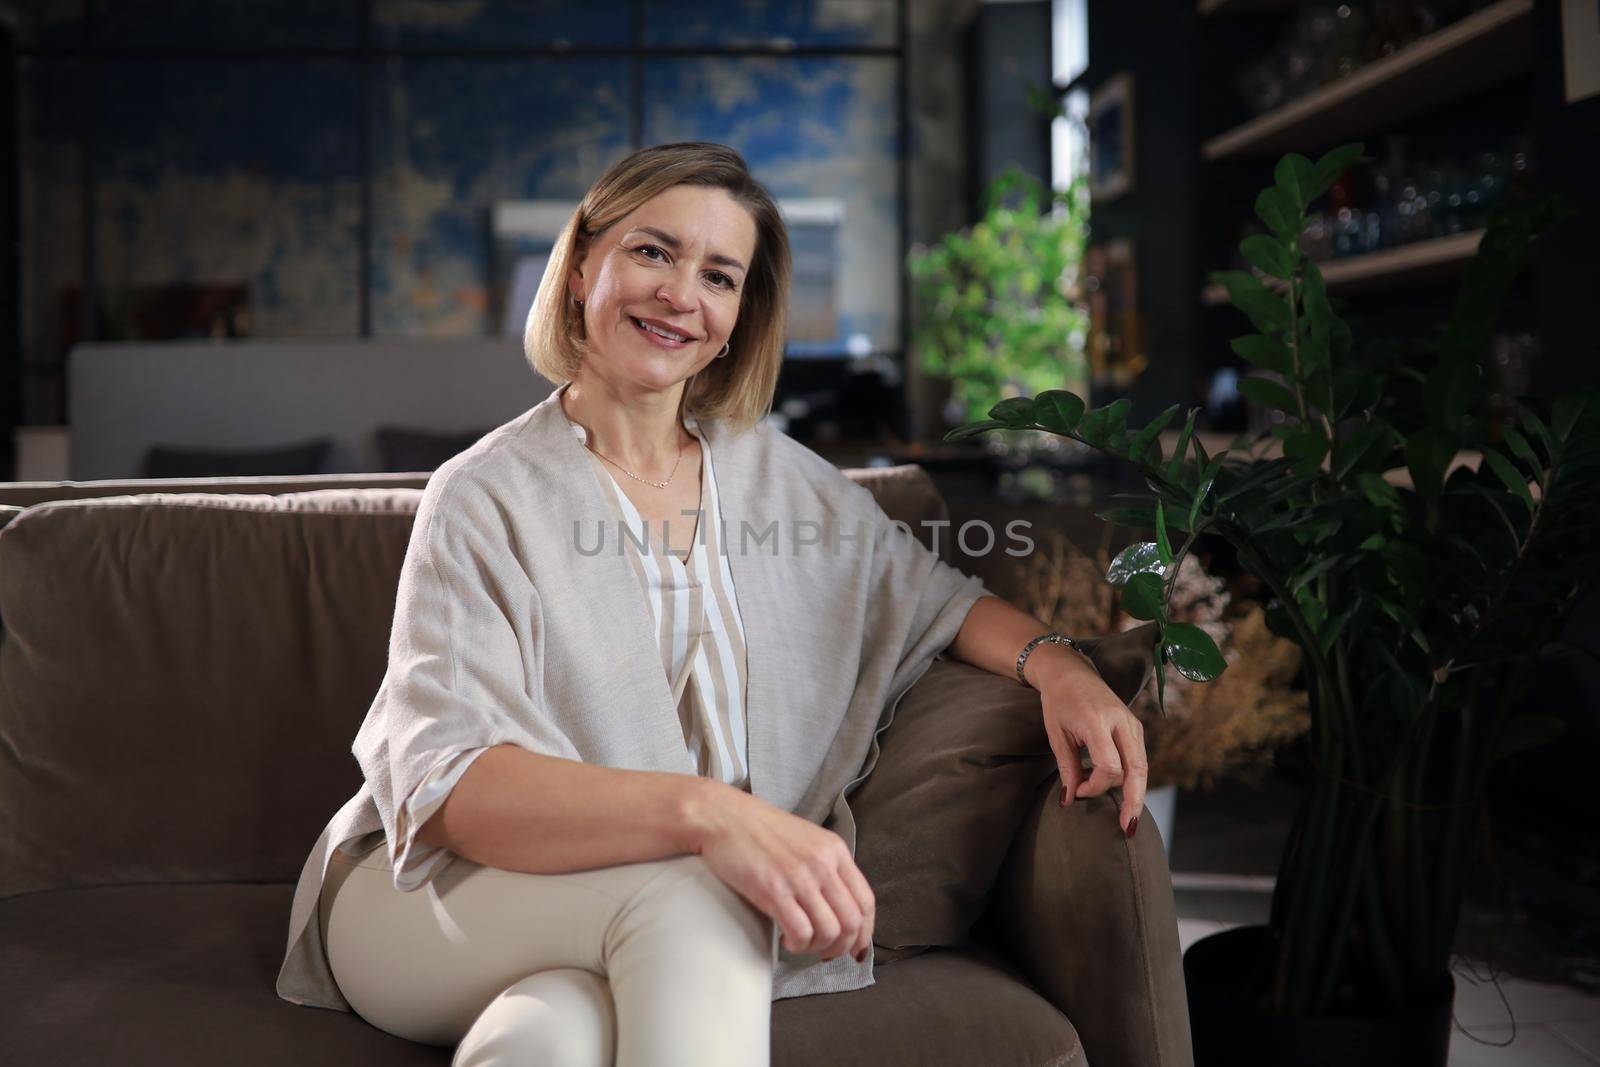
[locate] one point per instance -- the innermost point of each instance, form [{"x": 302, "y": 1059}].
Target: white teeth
[{"x": 663, "y": 333}]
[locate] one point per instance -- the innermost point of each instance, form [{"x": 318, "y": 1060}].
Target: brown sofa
[{"x": 183, "y": 669}]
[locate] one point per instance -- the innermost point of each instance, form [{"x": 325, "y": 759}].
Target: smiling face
[{"x": 679, "y": 261}]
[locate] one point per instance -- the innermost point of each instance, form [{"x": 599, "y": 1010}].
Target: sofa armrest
[{"x": 1088, "y": 917}]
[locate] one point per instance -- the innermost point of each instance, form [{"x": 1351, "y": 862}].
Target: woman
[{"x": 643, "y": 645}]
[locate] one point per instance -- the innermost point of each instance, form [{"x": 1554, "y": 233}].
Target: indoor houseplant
[
  {"x": 1200, "y": 732},
  {"x": 1423, "y": 602},
  {"x": 998, "y": 314}
]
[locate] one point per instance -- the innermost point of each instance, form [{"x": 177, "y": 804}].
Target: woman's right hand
[{"x": 798, "y": 873}]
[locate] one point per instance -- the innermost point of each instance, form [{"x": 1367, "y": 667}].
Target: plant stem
[{"x": 1177, "y": 564}]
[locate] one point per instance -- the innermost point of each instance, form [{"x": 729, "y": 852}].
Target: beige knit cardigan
[{"x": 518, "y": 620}]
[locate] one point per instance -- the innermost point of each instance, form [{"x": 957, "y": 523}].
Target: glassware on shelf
[
  {"x": 1352, "y": 29},
  {"x": 1400, "y": 200},
  {"x": 1325, "y": 41}
]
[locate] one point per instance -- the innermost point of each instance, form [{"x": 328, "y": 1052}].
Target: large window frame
[{"x": 367, "y": 56}]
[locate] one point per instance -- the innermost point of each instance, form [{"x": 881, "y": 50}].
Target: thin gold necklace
[{"x": 635, "y": 477}]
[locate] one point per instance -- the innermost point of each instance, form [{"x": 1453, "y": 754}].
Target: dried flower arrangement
[{"x": 1225, "y": 728}]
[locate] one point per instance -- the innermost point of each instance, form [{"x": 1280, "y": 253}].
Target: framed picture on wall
[
  {"x": 1116, "y": 329},
  {"x": 1111, "y": 138}
]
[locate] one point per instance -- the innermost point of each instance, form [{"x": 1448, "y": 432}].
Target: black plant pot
[{"x": 1229, "y": 1031}]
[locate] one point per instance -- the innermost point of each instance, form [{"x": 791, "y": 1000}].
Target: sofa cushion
[
  {"x": 137, "y": 975},
  {"x": 402, "y": 448},
  {"x": 958, "y": 768},
  {"x": 171, "y": 461},
  {"x": 148, "y": 975},
  {"x": 180, "y": 679}
]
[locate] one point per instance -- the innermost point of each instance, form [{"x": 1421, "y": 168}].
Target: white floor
[{"x": 1555, "y": 1026}]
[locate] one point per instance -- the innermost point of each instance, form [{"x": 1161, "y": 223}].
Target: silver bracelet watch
[{"x": 1052, "y": 638}]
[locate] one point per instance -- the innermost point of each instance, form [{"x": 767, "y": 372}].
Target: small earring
[{"x": 724, "y": 349}]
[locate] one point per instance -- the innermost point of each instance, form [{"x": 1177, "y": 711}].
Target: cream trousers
[{"x": 657, "y": 963}]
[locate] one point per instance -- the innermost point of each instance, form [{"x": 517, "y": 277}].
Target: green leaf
[
  {"x": 1493, "y": 498},
  {"x": 1315, "y": 295},
  {"x": 1330, "y": 633},
  {"x": 1535, "y": 425},
  {"x": 1310, "y": 574},
  {"x": 1348, "y": 383},
  {"x": 1524, "y": 451},
  {"x": 1277, "y": 209},
  {"x": 1353, "y": 449},
  {"x": 1268, "y": 255},
  {"x": 1449, "y": 390},
  {"x": 1315, "y": 611},
  {"x": 1507, "y": 472},
  {"x": 1058, "y": 410},
  {"x": 1163, "y": 546},
  {"x": 1265, "y": 352},
  {"x": 1407, "y": 623},
  {"x": 1295, "y": 175},
  {"x": 1133, "y": 518},
  {"x": 1183, "y": 446},
  {"x": 1014, "y": 412},
  {"x": 1143, "y": 596},
  {"x": 1380, "y": 491},
  {"x": 1143, "y": 439},
  {"x": 1307, "y": 446},
  {"x": 1207, "y": 475},
  {"x": 1117, "y": 416},
  {"x": 1564, "y": 416},
  {"x": 1192, "y": 651},
  {"x": 1428, "y": 453},
  {"x": 1266, "y": 309},
  {"x": 1092, "y": 427},
  {"x": 972, "y": 429},
  {"x": 1332, "y": 165},
  {"x": 1267, "y": 393},
  {"x": 1141, "y": 557},
  {"x": 1518, "y": 733}
]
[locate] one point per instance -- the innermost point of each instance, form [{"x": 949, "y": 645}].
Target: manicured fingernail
[
  {"x": 1133, "y": 827},
  {"x": 861, "y": 957},
  {"x": 1063, "y": 796}
]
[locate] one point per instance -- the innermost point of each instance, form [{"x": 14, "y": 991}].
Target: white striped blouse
[
  {"x": 701, "y": 636},
  {"x": 696, "y": 621}
]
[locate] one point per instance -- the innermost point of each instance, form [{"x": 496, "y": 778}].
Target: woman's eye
[{"x": 721, "y": 278}]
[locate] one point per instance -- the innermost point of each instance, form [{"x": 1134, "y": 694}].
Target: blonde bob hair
[{"x": 738, "y": 388}]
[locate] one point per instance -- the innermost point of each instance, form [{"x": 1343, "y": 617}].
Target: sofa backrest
[{"x": 182, "y": 674}]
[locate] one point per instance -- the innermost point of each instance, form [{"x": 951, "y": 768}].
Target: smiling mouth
[{"x": 652, "y": 331}]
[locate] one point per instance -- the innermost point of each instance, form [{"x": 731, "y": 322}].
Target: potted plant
[
  {"x": 1198, "y": 733},
  {"x": 999, "y": 315},
  {"x": 1423, "y": 592}
]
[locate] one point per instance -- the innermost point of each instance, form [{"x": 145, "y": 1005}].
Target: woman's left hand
[{"x": 1082, "y": 714}]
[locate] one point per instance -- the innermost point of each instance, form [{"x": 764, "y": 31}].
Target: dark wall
[
  {"x": 1567, "y": 264},
  {"x": 10, "y": 260},
  {"x": 1155, "y": 41}
]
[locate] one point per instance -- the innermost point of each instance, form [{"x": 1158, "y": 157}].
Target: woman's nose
[{"x": 676, "y": 292}]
